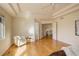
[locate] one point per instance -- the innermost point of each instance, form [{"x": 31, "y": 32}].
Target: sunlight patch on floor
[{"x": 20, "y": 50}]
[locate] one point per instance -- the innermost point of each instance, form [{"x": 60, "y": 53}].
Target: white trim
[
  {"x": 66, "y": 10},
  {"x": 3, "y": 27}
]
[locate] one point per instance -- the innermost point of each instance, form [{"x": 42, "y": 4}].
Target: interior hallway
[{"x": 42, "y": 47}]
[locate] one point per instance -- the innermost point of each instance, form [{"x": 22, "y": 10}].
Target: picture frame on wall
[{"x": 77, "y": 27}]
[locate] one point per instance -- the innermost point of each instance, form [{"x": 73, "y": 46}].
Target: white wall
[
  {"x": 54, "y": 32},
  {"x": 66, "y": 28},
  {"x": 5, "y": 43},
  {"x": 24, "y": 25},
  {"x": 37, "y": 31},
  {"x": 40, "y": 27}
]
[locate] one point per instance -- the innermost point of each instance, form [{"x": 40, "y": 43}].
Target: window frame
[{"x": 3, "y": 27}]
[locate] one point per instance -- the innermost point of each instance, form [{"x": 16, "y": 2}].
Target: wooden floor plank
[{"x": 42, "y": 47}]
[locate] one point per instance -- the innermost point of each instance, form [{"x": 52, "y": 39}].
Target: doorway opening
[{"x": 47, "y": 30}]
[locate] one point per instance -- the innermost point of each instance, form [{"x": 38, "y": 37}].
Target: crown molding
[{"x": 66, "y": 10}]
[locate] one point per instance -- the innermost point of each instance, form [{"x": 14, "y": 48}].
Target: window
[{"x": 2, "y": 28}]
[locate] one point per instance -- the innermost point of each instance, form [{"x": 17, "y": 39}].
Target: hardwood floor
[{"x": 42, "y": 47}]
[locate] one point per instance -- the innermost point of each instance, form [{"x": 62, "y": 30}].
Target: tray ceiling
[{"x": 39, "y": 10}]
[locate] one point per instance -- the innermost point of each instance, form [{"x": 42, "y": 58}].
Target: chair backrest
[{"x": 17, "y": 37}]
